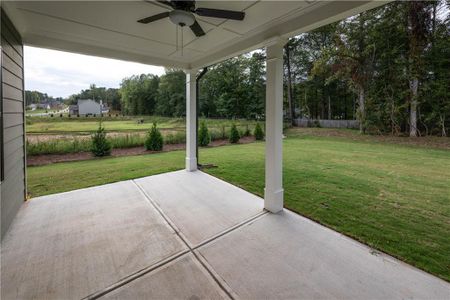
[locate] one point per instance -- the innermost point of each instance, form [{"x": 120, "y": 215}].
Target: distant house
[
  {"x": 32, "y": 106},
  {"x": 43, "y": 105},
  {"x": 88, "y": 107}
]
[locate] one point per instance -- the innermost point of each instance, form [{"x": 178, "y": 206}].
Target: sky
[{"x": 61, "y": 74}]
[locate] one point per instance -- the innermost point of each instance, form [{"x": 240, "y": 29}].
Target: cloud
[{"x": 61, "y": 74}]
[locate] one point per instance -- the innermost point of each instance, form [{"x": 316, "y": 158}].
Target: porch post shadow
[{"x": 273, "y": 192}]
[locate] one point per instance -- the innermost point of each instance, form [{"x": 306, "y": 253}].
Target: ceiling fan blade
[
  {"x": 154, "y": 18},
  {"x": 197, "y": 29},
  {"x": 168, "y": 3},
  {"x": 220, "y": 13}
]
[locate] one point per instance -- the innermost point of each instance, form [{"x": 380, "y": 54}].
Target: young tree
[
  {"x": 203, "y": 135},
  {"x": 154, "y": 141},
  {"x": 100, "y": 145},
  {"x": 258, "y": 133},
  {"x": 234, "y": 134}
]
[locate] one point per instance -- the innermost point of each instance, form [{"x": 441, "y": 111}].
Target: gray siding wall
[{"x": 13, "y": 184}]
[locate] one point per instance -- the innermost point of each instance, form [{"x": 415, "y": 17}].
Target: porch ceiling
[{"x": 109, "y": 29}]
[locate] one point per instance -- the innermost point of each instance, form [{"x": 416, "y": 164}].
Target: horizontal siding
[
  {"x": 9, "y": 50},
  {"x": 9, "y": 34},
  {"x": 13, "y": 146},
  {"x": 14, "y": 193},
  {"x": 13, "y": 187},
  {"x": 11, "y": 66},
  {"x": 14, "y": 160},
  {"x": 11, "y": 79},
  {"x": 10, "y": 120},
  {"x": 13, "y": 93},
  {"x": 12, "y": 133},
  {"x": 12, "y": 106}
]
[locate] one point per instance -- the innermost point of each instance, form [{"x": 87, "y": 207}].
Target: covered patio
[
  {"x": 183, "y": 234},
  {"x": 188, "y": 235}
]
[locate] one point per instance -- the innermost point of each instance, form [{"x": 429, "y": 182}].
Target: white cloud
[{"x": 61, "y": 74}]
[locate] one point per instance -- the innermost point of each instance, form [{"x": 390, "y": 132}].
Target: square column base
[
  {"x": 273, "y": 200},
  {"x": 191, "y": 164}
]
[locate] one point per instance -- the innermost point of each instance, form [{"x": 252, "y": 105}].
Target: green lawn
[
  {"x": 394, "y": 198},
  {"x": 73, "y": 125}
]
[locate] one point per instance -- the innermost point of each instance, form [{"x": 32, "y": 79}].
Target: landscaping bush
[
  {"x": 258, "y": 133},
  {"x": 154, "y": 140},
  {"x": 247, "y": 131},
  {"x": 100, "y": 145},
  {"x": 234, "y": 134},
  {"x": 203, "y": 135}
]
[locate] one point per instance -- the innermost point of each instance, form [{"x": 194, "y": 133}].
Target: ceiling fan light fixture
[{"x": 181, "y": 17}]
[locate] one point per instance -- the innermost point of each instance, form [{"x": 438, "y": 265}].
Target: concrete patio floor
[{"x": 183, "y": 235}]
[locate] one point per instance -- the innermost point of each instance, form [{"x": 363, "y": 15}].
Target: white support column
[
  {"x": 273, "y": 192},
  {"x": 191, "y": 115}
]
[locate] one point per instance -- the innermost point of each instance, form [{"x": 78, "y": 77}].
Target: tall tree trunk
[
  {"x": 442, "y": 119},
  {"x": 362, "y": 110},
  {"x": 329, "y": 107},
  {"x": 418, "y": 18},
  {"x": 289, "y": 84},
  {"x": 413, "y": 108}
]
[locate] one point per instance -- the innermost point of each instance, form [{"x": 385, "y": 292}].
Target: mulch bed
[{"x": 45, "y": 159}]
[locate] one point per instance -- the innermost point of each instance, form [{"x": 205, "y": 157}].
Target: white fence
[{"x": 326, "y": 123}]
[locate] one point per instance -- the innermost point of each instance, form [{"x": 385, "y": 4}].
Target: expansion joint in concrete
[{"x": 190, "y": 249}]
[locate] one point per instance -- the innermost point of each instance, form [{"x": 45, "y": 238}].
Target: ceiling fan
[{"x": 183, "y": 15}]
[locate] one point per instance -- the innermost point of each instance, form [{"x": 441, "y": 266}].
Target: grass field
[
  {"x": 47, "y": 135},
  {"x": 74, "y": 125},
  {"x": 394, "y": 198}
]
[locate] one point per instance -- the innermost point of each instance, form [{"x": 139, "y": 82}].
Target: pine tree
[
  {"x": 203, "y": 135},
  {"x": 258, "y": 133},
  {"x": 100, "y": 145},
  {"x": 234, "y": 134},
  {"x": 154, "y": 141}
]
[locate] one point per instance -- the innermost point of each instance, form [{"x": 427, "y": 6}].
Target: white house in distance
[{"x": 88, "y": 107}]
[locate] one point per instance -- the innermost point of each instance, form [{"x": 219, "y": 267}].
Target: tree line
[
  {"x": 34, "y": 97},
  {"x": 388, "y": 67}
]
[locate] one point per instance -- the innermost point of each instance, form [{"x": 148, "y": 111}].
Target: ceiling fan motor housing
[{"x": 181, "y": 17}]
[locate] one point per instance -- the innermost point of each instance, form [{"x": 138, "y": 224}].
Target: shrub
[
  {"x": 224, "y": 134},
  {"x": 234, "y": 134},
  {"x": 100, "y": 145},
  {"x": 258, "y": 133},
  {"x": 247, "y": 131},
  {"x": 203, "y": 135},
  {"x": 154, "y": 141}
]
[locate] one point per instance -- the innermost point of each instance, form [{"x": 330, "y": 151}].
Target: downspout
[{"x": 197, "y": 80}]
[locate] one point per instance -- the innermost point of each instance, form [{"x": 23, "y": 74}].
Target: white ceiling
[{"x": 109, "y": 28}]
